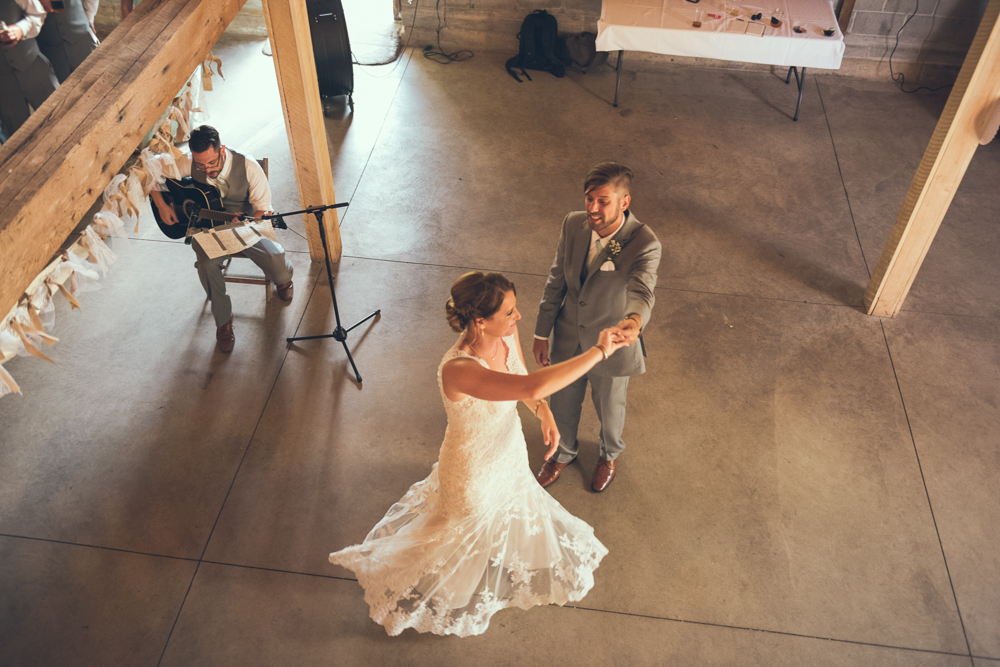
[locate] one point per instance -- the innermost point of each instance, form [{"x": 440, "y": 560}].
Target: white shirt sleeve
[
  {"x": 163, "y": 165},
  {"x": 90, "y": 9},
  {"x": 260, "y": 192},
  {"x": 34, "y": 17}
]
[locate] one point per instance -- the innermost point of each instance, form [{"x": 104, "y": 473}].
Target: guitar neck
[{"x": 217, "y": 216}]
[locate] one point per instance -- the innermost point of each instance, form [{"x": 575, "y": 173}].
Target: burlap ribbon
[
  {"x": 206, "y": 71},
  {"x": 22, "y": 332},
  {"x": 53, "y": 285},
  {"x": 33, "y": 317},
  {"x": 6, "y": 378}
]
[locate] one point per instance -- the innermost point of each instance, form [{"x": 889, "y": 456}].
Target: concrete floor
[{"x": 804, "y": 484}]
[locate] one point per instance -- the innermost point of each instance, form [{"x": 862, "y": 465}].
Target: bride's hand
[
  {"x": 550, "y": 432},
  {"x": 612, "y": 339}
]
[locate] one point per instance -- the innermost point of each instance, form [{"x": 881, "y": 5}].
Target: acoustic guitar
[{"x": 197, "y": 206}]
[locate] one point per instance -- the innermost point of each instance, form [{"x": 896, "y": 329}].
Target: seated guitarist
[{"x": 244, "y": 189}]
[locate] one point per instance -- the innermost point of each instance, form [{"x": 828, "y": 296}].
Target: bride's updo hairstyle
[{"x": 475, "y": 295}]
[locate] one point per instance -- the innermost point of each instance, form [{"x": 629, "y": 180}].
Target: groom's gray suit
[{"x": 576, "y": 306}]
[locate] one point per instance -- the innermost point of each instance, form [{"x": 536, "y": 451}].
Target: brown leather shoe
[
  {"x": 603, "y": 474},
  {"x": 226, "y": 337},
  {"x": 550, "y": 472},
  {"x": 286, "y": 291}
]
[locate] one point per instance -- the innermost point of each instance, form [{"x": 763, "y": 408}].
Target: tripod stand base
[{"x": 340, "y": 334}]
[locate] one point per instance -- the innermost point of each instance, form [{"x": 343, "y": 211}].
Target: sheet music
[{"x": 230, "y": 239}]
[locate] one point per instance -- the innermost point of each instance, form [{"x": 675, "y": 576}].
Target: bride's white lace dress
[{"x": 478, "y": 535}]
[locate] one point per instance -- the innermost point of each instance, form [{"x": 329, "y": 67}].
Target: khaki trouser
[{"x": 266, "y": 254}]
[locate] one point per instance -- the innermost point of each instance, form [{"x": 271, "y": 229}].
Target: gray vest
[
  {"x": 66, "y": 39},
  {"x": 237, "y": 200},
  {"x": 20, "y": 56}
]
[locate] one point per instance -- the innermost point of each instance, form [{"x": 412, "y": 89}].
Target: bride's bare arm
[
  {"x": 533, "y": 405},
  {"x": 467, "y": 377}
]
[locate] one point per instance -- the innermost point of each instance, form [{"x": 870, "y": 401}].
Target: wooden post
[
  {"x": 951, "y": 148},
  {"x": 55, "y": 167},
  {"x": 295, "y": 66}
]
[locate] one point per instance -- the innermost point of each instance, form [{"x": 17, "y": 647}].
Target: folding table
[{"x": 667, "y": 27}]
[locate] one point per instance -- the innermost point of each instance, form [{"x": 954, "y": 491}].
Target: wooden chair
[{"x": 244, "y": 280}]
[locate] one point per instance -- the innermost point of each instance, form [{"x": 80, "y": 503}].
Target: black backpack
[{"x": 539, "y": 46}]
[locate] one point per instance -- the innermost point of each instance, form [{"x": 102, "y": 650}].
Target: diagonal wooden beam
[
  {"x": 58, "y": 163},
  {"x": 295, "y": 66},
  {"x": 948, "y": 154}
]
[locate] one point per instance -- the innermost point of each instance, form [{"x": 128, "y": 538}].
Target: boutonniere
[{"x": 610, "y": 252}]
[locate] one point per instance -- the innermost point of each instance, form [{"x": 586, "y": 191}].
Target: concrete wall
[
  {"x": 491, "y": 25},
  {"x": 933, "y": 43},
  {"x": 931, "y": 47}
]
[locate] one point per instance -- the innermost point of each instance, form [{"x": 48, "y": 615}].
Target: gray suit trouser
[
  {"x": 19, "y": 89},
  {"x": 266, "y": 254},
  {"x": 608, "y": 394}
]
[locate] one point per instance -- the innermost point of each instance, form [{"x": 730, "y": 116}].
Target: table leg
[
  {"x": 618, "y": 76},
  {"x": 800, "y": 80}
]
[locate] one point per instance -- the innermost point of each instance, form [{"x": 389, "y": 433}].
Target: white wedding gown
[{"x": 478, "y": 535}]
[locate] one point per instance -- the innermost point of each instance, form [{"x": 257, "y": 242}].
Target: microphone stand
[{"x": 339, "y": 333}]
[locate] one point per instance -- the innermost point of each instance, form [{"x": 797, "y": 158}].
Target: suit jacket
[{"x": 575, "y": 312}]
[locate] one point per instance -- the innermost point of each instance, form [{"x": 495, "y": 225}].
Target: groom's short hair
[{"x": 608, "y": 173}]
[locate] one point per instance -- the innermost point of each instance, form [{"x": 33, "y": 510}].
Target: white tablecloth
[{"x": 665, "y": 26}]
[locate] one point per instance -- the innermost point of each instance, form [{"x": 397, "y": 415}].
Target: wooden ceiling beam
[{"x": 57, "y": 164}]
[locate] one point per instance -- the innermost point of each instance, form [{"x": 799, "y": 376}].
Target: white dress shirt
[
  {"x": 34, "y": 17},
  {"x": 90, "y": 9},
  {"x": 259, "y": 193}
]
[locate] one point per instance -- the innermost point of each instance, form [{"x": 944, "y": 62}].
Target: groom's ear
[{"x": 626, "y": 200}]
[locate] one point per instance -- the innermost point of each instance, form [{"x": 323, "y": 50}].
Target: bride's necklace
[{"x": 495, "y": 351}]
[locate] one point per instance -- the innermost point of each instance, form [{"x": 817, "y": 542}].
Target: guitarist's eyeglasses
[{"x": 212, "y": 165}]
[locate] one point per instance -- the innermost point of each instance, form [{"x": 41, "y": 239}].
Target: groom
[{"x": 603, "y": 275}]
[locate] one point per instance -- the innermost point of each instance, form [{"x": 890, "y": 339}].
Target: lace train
[{"x": 476, "y": 536}]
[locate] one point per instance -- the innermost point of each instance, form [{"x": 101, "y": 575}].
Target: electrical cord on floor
[
  {"x": 901, "y": 78},
  {"x": 440, "y": 56},
  {"x": 399, "y": 56}
]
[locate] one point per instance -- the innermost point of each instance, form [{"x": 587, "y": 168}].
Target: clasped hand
[
  {"x": 624, "y": 333},
  {"x": 11, "y": 35}
]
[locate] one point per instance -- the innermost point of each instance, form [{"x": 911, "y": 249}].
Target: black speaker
[{"x": 331, "y": 48}]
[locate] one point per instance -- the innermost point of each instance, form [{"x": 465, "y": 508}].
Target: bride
[{"x": 479, "y": 534}]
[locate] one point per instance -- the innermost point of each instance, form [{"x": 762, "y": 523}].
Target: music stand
[{"x": 339, "y": 333}]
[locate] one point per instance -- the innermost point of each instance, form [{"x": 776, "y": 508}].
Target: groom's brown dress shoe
[
  {"x": 550, "y": 472},
  {"x": 603, "y": 474}
]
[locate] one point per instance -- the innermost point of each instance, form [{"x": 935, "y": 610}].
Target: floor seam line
[
  {"x": 236, "y": 475},
  {"x": 178, "y": 616},
  {"x": 627, "y": 613},
  {"x": 260, "y": 418},
  {"x": 381, "y": 127},
  {"x": 840, "y": 172},
  {"x": 858, "y": 306},
  {"x": 771, "y": 632},
  {"x": 279, "y": 570},
  {"x": 98, "y": 546},
  {"x": 927, "y": 493}
]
